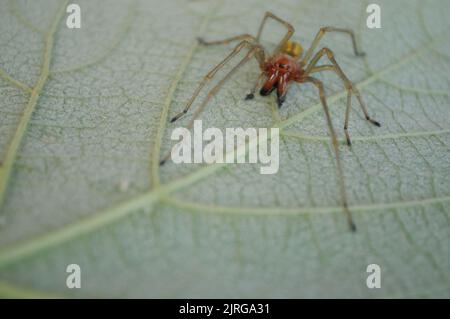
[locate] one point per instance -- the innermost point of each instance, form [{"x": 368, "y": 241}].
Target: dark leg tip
[
  {"x": 250, "y": 96},
  {"x": 352, "y": 227},
  {"x": 349, "y": 143},
  {"x": 280, "y": 101},
  {"x": 162, "y": 162},
  {"x": 361, "y": 54},
  {"x": 201, "y": 41},
  {"x": 265, "y": 92},
  {"x": 373, "y": 121},
  {"x": 176, "y": 117}
]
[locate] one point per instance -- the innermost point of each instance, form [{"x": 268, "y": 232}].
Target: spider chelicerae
[{"x": 287, "y": 64}]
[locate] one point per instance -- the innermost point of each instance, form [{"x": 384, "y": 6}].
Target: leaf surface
[{"x": 85, "y": 121}]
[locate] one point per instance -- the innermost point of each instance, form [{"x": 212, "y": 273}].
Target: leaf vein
[{"x": 8, "y": 164}]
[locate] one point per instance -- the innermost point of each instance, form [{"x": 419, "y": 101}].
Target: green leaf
[{"x": 85, "y": 122}]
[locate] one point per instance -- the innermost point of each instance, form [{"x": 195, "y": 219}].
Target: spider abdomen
[{"x": 293, "y": 49}]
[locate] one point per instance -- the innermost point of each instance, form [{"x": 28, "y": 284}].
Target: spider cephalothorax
[
  {"x": 285, "y": 65},
  {"x": 279, "y": 72}
]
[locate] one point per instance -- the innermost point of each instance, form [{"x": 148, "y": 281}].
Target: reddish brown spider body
[
  {"x": 280, "y": 71},
  {"x": 285, "y": 65}
]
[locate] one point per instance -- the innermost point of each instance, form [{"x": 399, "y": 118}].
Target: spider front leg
[
  {"x": 287, "y": 25},
  {"x": 248, "y": 37},
  {"x": 242, "y": 37},
  {"x": 254, "y": 50},
  {"x": 319, "y": 36},
  {"x": 351, "y": 89},
  {"x": 334, "y": 141},
  {"x": 212, "y": 73}
]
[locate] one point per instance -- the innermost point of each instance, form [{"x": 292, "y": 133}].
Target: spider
[{"x": 287, "y": 64}]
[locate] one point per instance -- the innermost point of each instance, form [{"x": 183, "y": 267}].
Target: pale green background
[{"x": 84, "y": 186}]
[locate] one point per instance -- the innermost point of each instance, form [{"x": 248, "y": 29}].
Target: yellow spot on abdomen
[{"x": 294, "y": 49}]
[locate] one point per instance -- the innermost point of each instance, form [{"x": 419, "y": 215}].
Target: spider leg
[
  {"x": 320, "y": 68},
  {"x": 251, "y": 38},
  {"x": 219, "y": 84},
  {"x": 351, "y": 89},
  {"x": 245, "y": 43},
  {"x": 319, "y": 36},
  {"x": 334, "y": 141},
  {"x": 241, "y": 37},
  {"x": 252, "y": 52},
  {"x": 349, "y": 101},
  {"x": 251, "y": 95},
  {"x": 289, "y": 27}
]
